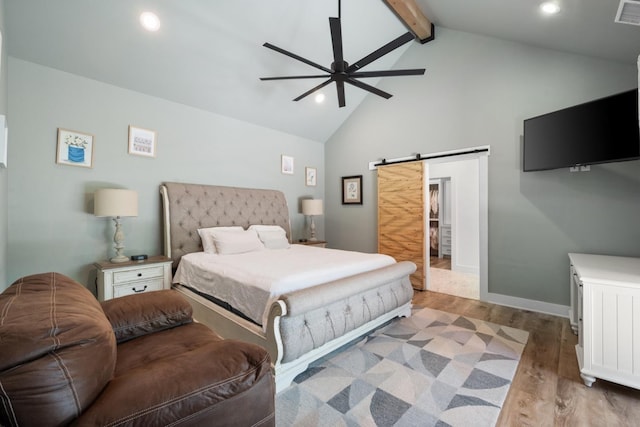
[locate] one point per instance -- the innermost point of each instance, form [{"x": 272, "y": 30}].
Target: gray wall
[
  {"x": 51, "y": 225},
  {"x": 3, "y": 172},
  {"x": 477, "y": 91}
]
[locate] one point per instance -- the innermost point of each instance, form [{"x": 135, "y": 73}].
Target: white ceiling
[{"x": 208, "y": 53}]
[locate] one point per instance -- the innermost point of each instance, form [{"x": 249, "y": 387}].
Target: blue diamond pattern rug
[{"x": 432, "y": 369}]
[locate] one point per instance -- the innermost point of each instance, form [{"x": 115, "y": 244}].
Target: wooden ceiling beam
[{"x": 412, "y": 17}]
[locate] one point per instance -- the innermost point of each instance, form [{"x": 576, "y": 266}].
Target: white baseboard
[{"x": 528, "y": 304}]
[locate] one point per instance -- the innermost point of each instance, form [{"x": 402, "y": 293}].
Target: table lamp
[
  {"x": 312, "y": 207},
  {"x": 116, "y": 203}
]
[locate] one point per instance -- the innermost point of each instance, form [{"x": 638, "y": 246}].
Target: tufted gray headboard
[{"x": 187, "y": 207}]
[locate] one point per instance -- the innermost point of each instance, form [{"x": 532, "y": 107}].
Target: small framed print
[
  {"x": 352, "y": 190},
  {"x": 142, "y": 142},
  {"x": 74, "y": 148},
  {"x": 311, "y": 176},
  {"x": 287, "y": 165}
]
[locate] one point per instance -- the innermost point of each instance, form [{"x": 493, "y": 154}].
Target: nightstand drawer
[
  {"x": 137, "y": 274},
  {"x": 138, "y": 287}
]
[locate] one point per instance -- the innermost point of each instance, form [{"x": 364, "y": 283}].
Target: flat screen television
[{"x": 600, "y": 131}]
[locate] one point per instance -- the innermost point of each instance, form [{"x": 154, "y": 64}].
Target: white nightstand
[
  {"x": 319, "y": 243},
  {"x": 133, "y": 277}
]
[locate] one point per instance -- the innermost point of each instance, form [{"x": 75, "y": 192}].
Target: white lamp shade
[
  {"x": 115, "y": 202},
  {"x": 312, "y": 207}
]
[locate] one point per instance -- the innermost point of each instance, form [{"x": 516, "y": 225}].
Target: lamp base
[
  {"x": 313, "y": 231},
  {"x": 118, "y": 238}
]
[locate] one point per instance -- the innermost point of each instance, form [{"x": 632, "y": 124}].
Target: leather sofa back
[{"x": 57, "y": 350}]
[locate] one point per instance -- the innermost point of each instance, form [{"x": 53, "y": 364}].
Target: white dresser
[{"x": 605, "y": 313}]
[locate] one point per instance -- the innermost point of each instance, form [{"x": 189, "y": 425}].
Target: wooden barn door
[{"x": 401, "y": 216}]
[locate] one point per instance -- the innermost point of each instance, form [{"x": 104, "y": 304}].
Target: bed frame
[{"x": 303, "y": 325}]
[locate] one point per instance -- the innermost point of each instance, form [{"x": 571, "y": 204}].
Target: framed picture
[
  {"x": 74, "y": 148},
  {"x": 311, "y": 176},
  {"x": 287, "y": 165},
  {"x": 142, "y": 142},
  {"x": 352, "y": 190}
]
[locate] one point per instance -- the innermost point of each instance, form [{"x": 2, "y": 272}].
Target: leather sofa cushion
[
  {"x": 187, "y": 372},
  {"x": 132, "y": 316},
  {"x": 58, "y": 350}
]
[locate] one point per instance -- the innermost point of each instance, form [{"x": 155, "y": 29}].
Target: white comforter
[{"x": 250, "y": 282}]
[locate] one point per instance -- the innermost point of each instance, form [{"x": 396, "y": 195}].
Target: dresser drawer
[
  {"x": 137, "y": 274},
  {"x": 446, "y": 240},
  {"x": 137, "y": 287},
  {"x": 446, "y": 250},
  {"x": 446, "y": 232}
]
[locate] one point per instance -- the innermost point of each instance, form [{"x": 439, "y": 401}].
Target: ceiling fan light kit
[{"x": 342, "y": 72}]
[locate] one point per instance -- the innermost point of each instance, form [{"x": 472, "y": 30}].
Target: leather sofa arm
[{"x": 136, "y": 315}]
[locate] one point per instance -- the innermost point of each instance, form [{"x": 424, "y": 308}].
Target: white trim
[
  {"x": 528, "y": 304},
  {"x": 483, "y": 183}
]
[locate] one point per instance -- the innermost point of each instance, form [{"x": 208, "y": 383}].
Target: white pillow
[
  {"x": 207, "y": 238},
  {"x": 259, "y": 227},
  {"x": 234, "y": 242},
  {"x": 272, "y": 236}
]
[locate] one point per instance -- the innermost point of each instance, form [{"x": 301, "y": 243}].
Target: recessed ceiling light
[
  {"x": 150, "y": 21},
  {"x": 550, "y": 8},
  {"x": 320, "y": 98}
]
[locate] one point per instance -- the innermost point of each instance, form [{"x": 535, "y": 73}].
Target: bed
[{"x": 298, "y": 326}]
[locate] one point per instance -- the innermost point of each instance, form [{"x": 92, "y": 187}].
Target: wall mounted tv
[{"x": 600, "y": 131}]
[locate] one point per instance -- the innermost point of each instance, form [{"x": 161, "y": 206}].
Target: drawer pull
[
  {"x": 139, "y": 274},
  {"x": 139, "y": 290}
]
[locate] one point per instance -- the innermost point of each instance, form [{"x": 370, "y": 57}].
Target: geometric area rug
[{"x": 431, "y": 369}]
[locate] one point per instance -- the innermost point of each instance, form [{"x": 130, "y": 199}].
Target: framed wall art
[
  {"x": 352, "y": 190},
  {"x": 311, "y": 176},
  {"x": 142, "y": 142},
  {"x": 75, "y": 148},
  {"x": 286, "y": 165}
]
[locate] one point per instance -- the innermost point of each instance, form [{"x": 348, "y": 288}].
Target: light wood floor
[
  {"x": 444, "y": 262},
  {"x": 547, "y": 389}
]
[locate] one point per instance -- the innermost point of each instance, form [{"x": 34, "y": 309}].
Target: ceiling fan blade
[
  {"x": 340, "y": 89},
  {"x": 318, "y": 76},
  {"x": 310, "y": 91},
  {"x": 298, "y": 57},
  {"x": 394, "y": 44},
  {"x": 336, "y": 41},
  {"x": 368, "y": 88},
  {"x": 389, "y": 73}
]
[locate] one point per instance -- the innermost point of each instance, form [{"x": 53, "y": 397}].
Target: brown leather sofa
[{"x": 139, "y": 360}]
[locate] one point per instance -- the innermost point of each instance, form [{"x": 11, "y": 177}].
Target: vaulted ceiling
[{"x": 209, "y": 54}]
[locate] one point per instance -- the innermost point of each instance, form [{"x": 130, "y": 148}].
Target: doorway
[
  {"x": 468, "y": 244},
  {"x": 456, "y": 189}
]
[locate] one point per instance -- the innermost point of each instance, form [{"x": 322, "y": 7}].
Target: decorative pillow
[
  {"x": 207, "y": 239},
  {"x": 272, "y": 236},
  {"x": 234, "y": 242}
]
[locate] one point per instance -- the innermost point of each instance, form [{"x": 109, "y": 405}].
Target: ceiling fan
[{"x": 341, "y": 72}]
